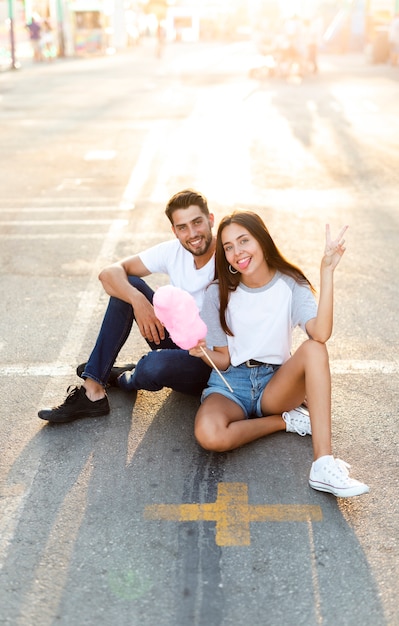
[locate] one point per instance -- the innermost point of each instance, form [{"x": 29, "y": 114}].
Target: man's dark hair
[{"x": 184, "y": 199}]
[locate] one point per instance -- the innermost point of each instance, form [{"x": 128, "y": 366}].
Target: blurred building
[
  {"x": 84, "y": 27},
  {"x": 78, "y": 26},
  {"x": 362, "y": 25},
  {"x": 99, "y": 26}
]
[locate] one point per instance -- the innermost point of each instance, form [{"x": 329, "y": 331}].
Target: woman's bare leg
[
  {"x": 220, "y": 425},
  {"x": 307, "y": 372}
]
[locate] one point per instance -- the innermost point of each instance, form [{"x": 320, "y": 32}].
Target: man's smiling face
[{"x": 193, "y": 229}]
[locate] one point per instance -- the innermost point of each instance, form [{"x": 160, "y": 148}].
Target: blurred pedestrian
[
  {"x": 48, "y": 48},
  {"x": 311, "y": 35},
  {"x": 35, "y": 35},
  {"x": 161, "y": 39},
  {"x": 250, "y": 312}
]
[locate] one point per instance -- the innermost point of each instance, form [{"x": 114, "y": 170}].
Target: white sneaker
[
  {"x": 298, "y": 421},
  {"x": 333, "y": 477}
]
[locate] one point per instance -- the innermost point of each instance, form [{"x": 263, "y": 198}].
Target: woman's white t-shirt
[{"x": 261, "y": 319}]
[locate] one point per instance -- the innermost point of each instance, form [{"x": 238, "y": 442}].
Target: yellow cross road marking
[{"x": 233, "y": 514}]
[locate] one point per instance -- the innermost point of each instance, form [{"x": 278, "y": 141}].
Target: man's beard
[{"x": 207, "y": 241}]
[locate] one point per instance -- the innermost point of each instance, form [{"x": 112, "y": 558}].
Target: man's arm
[{"x": 114, "y": 279}]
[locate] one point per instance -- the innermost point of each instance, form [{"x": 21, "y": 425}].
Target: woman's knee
[
  {"x": 209, "y": 435},
  {"x": 315, "y": 351}
]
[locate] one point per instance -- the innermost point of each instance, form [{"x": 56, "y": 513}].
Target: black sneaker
[
  {"x": 115, "y": 372},
  {"x": 75, "y": 406}
]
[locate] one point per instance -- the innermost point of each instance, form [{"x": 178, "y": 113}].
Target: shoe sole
[
  {"x": 340, "y": 493},
  {"x": 74, "y": 418}
]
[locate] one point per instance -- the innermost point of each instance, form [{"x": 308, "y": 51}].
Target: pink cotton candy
[{"x": 178, "y": 312}]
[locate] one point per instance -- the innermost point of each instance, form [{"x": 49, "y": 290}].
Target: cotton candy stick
[
  {"x": 178, "y": 312},
  {"x": 216, "y": 369}
]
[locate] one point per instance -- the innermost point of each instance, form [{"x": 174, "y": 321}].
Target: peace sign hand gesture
[{"x": 334, "y": 249}]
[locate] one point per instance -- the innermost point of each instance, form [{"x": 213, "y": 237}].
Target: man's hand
[{"x": 149, "y": 325}]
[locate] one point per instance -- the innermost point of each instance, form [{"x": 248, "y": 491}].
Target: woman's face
[{"x": 243, "y": 251}]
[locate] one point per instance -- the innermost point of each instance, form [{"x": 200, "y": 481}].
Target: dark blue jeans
[{"x": 166, "y": 365}]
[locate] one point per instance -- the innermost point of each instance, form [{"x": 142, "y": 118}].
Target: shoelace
[
  {"x": 72, "y": 392},
  {"x": 300, "y": 426},
  {"x": 341, "y": 470},
  {"x": 343, "y": 466}
]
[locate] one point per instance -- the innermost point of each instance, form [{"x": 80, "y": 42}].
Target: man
[
  {"x": 35, "y": 35},
  {"x": 188, "y": 260}
]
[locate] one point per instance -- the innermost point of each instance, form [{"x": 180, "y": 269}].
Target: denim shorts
[{"x": 248, "y": 384}]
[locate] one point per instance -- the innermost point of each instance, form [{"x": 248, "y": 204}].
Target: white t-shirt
[
  {"x": 261, "y": 319},
  {"x": 172, "y": 259}
]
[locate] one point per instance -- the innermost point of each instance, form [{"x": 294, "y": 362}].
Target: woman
[{"x": 250, "y": 311}]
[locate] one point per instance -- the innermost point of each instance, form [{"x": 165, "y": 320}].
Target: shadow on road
[{"x": 83, "y": 552}]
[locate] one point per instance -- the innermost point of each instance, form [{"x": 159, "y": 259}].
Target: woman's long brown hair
[{"x": 229, "y": 282}]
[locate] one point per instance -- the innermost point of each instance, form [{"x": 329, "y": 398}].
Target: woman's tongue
[{"x": 243, "y": 263}]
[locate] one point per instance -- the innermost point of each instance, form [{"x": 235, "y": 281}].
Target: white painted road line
[
  {"x": 141, "y": 172},
  {"x": 55, "y": 208},
  {"x": 64, "y": 369},
  {"x": 100, "y": 235},
  {"x": 364, "y": 367},
  {"x": 82, "y": 222}
]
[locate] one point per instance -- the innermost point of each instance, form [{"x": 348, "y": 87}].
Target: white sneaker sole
[{"x": 340, "y": 492}]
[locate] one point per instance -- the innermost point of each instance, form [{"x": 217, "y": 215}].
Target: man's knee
[
  {"x": 140, "y": 284},
  {"x": 148, "y": 373},
  {"x": 175, "y": 369}
]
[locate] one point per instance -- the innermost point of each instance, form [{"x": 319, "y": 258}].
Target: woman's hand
[
  {"x": 334, "y": 249},
  {"x": 196, "y": 351},
  {"x": 320, "y": 327}
]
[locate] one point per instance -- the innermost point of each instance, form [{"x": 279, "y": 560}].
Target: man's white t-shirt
[{"x": 172, "y": 259}]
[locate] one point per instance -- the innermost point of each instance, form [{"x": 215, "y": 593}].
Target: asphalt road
[{"x": 93, "y": 525}]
